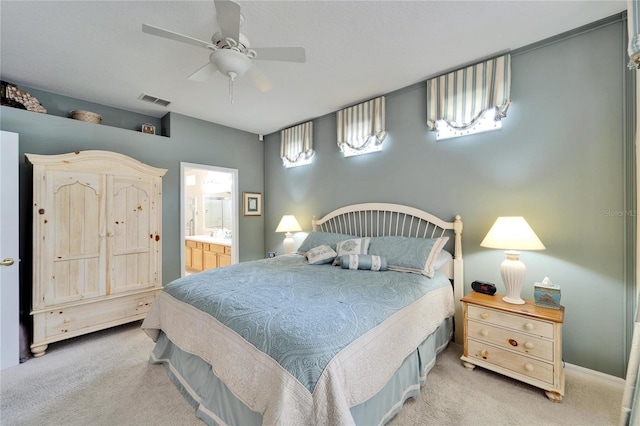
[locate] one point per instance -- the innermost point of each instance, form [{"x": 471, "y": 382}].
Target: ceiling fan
[{"x": 231, "y": 53}]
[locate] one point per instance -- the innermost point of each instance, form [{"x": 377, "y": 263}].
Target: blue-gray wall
[{"x": 558, "y": 161}]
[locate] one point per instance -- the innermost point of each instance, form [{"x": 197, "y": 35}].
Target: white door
[{"x": 9, "y": 269}]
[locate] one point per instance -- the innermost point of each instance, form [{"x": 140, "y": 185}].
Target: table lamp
[
  {"x": 288, "y": 224},
  {"x": 512, "y": 234}
]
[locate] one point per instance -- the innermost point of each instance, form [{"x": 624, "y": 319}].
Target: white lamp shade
[
  {"x": 288, "y": 223},
  {"x": 512, "y": 233}
]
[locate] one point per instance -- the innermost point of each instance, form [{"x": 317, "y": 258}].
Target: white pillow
[
  {"x": 320, "y": 255},
  {"x": 443, "y": 258}
]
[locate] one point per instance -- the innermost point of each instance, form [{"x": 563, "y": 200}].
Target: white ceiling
[{"x": 356, "y": 50}]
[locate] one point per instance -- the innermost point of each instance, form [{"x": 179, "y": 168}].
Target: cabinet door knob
[
  {"x": 528, "y": 345},
  {"x": 529, "y": 326},
  {"x": 7, "y": 262},
  {"x": 528, "y": 367},
  {"x": 484, "y": 315}
]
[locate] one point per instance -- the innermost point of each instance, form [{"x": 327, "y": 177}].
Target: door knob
[{"x": 7, "y": 262}]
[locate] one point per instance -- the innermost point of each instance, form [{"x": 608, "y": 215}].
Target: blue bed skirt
[{"x": 217, "y": 405}]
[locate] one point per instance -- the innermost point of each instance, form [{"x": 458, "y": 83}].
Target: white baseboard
[{"x": 595, "y": 375}]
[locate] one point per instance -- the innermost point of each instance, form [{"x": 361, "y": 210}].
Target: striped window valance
[
  {"x": 296, "y": 144},
  {"x": 633, "y": 24},
  {"x": 460, "y": 98},
  {"x": 362, "y": 126}
]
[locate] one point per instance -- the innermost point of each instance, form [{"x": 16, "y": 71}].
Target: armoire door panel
[
  {"x": 132, "y": 245},
  {"x": 76, "y": 279},
  {"x": 72, "y": 216}
]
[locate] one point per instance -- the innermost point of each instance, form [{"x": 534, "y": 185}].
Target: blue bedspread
[{"x": 301, "y": 315}]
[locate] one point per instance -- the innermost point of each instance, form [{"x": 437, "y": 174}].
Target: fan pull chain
[{"x": 232, "y": 76}]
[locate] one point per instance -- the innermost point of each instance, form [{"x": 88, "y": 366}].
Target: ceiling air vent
[{"x": 154, "y": 100}]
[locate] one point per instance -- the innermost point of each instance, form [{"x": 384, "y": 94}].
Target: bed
[{"x": 341, "y": 332}]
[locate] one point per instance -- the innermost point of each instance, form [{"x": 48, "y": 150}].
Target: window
[
  {"x": 361, "y": 128},
  {"x": 372, "y": 147},
  {"x": 470, "y": 100},
  {"x": 488, "y": 120},
  {"x": 296, "y": 145}
]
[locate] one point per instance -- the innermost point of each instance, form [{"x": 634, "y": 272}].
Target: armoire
[{"x": 97, "y": 243}]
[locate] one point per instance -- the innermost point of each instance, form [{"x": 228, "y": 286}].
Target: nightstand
[{"x": 523, "y": 342}]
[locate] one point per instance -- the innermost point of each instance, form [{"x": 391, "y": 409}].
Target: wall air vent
[{"x": 154, "y": 100}]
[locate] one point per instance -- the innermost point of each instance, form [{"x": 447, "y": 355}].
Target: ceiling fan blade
[
  {"x": 287, "y": 54},
  {"x": 150, "y": 29},
  {"x": 262, "y": 82},
  {"x": 203, "y": 73},
  {"x": 228, "y": 18}
]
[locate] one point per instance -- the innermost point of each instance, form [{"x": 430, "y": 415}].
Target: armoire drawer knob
[
  {"x": 528, "y": 367},
  {"x": 528, "y": 345},
  {"x": 67, "y": 321},
  {"x": 529, "y": 326},
  {"x": 484, "y": 315},
  {"x": 484, "y": 332}
]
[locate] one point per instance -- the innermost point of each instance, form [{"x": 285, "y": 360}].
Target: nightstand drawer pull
[
  {"x": 484, "y": 315},
  {"x": 484, "y": 332},
  {"x": 528, "y": 367},
  {"x": 528, "y": 345},
  {"x": 529, "y": 326}
]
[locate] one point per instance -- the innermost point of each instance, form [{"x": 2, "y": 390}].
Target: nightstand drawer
[
  {"x": 517, "y": 363},
  {"x": 509, "y": 339},
  {"x": 515, "y": 322}
]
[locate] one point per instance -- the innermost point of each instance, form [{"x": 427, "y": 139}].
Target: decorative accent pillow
[
  {"x": 321, "y": 255},
  {"x": 364, "y": 261},
  {"x": 315, "y": 239},
  {"x": 352, "y": 246},
  {"x": 405, "y": 254}
]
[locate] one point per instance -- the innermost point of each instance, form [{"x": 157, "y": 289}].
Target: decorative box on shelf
[{"x": 547, "y": 294}]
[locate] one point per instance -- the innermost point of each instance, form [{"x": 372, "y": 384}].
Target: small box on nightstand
[{"x": 547, "y": 294}]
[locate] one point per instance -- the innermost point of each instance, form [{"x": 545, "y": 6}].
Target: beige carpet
[{"x": 105, "y": 379}]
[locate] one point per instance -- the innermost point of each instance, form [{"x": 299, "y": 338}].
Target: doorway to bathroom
[{"x": 209, "y": 217}]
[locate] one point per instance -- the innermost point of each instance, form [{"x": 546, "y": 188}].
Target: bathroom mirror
[{"x": 217, "y": 212}]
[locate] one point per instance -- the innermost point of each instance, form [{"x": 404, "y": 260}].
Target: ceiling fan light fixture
[
  {"x": 230, "y": 61},
  {"x": 232, "y": 64}
]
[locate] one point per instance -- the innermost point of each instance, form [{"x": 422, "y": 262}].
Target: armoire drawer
[{"x": 73, "y": 318}]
